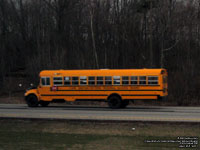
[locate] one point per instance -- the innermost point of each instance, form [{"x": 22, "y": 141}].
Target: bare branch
[{"x": 168, "y": 49}]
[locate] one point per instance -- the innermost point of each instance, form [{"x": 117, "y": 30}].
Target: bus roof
[{"x": 102, "y": 72}]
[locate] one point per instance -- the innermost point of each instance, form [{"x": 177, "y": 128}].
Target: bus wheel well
[
  {"x": 114, "y": 94},
  {"x": 31, "y": 95}
]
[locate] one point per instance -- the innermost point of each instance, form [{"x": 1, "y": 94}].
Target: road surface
[{"x": 131, "y": 113}]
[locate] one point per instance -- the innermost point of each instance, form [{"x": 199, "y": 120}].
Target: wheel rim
[
  {"x": 114, "y": 102},
  {"x": 32, "y": 101}
]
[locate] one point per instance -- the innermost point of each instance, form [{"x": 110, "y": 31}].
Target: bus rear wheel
[
  {"x": 32, "y": 101},
  {"x": 44, "y": 103},
  {"x": 114, "y": 102}
]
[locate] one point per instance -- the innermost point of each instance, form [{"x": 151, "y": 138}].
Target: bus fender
[{"x": 31, "y": 92}]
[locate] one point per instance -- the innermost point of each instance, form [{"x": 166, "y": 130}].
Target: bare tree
[{"x": 92, "y": 9}]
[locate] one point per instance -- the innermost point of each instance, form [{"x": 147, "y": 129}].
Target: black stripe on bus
[
  {"x": 109, "y": 90},
  {"x": 84, "y": 85},
  {"x": 91, "y": 95},
  {"x": 139, "y": 95},
  {"x": 70, "y": 95}
]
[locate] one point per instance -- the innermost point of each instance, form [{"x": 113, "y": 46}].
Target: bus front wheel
[
  {"x": 114, "y": 102},
  {"x": 32, "y": 100}
]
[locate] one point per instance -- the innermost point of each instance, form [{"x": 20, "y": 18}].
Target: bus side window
[
  {"x": 99, "y": 80},
  {"x": 125, "y": 80},
  {"x": 116, "y": 80},
  {"x": 152, "y": 80},
  {"x": 134, "y": 80},
  {"x": 67, "y": 80},
  {"x": 108, "y": 80},
  {"x": 142, "y": 80},
  {"x": 91, "y": 80},
  {"x": 45, "y": 81},
  {"x": 83, "y": 80},
  {"x": 75, "y": 80},
  {"x": 57, "y": 81}
]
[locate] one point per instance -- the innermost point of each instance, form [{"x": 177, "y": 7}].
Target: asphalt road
[{"x": 133, "y": 113}]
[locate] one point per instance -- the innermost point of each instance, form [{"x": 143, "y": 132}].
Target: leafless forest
[{"x": 85, "y": 34}]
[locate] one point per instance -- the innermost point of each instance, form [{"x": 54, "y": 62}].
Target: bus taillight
[{"x": 165, "y": 90}]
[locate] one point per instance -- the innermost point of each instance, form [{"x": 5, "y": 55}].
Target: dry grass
[
  {"x": 106, "y": 128},
  {"x": 18, "y": 134},
  {"x": 141, "y": 129}
]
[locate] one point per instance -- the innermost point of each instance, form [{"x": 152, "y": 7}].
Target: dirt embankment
[
  {"x": 19, "y": 99},
  {"x": 12, "y": 100}
]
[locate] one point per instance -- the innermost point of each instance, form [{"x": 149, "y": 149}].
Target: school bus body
[{"x": 125, "y": 89}]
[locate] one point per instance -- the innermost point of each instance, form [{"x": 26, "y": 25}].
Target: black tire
[
  {"x": 124, "y": 103},
  {"x": 44, "y": 103},
  {"x": 114, "y": 102},
  {"x": 32, "y": 100}
]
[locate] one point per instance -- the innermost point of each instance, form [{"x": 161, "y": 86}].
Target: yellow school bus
[{"x": 116, "y": 86}]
